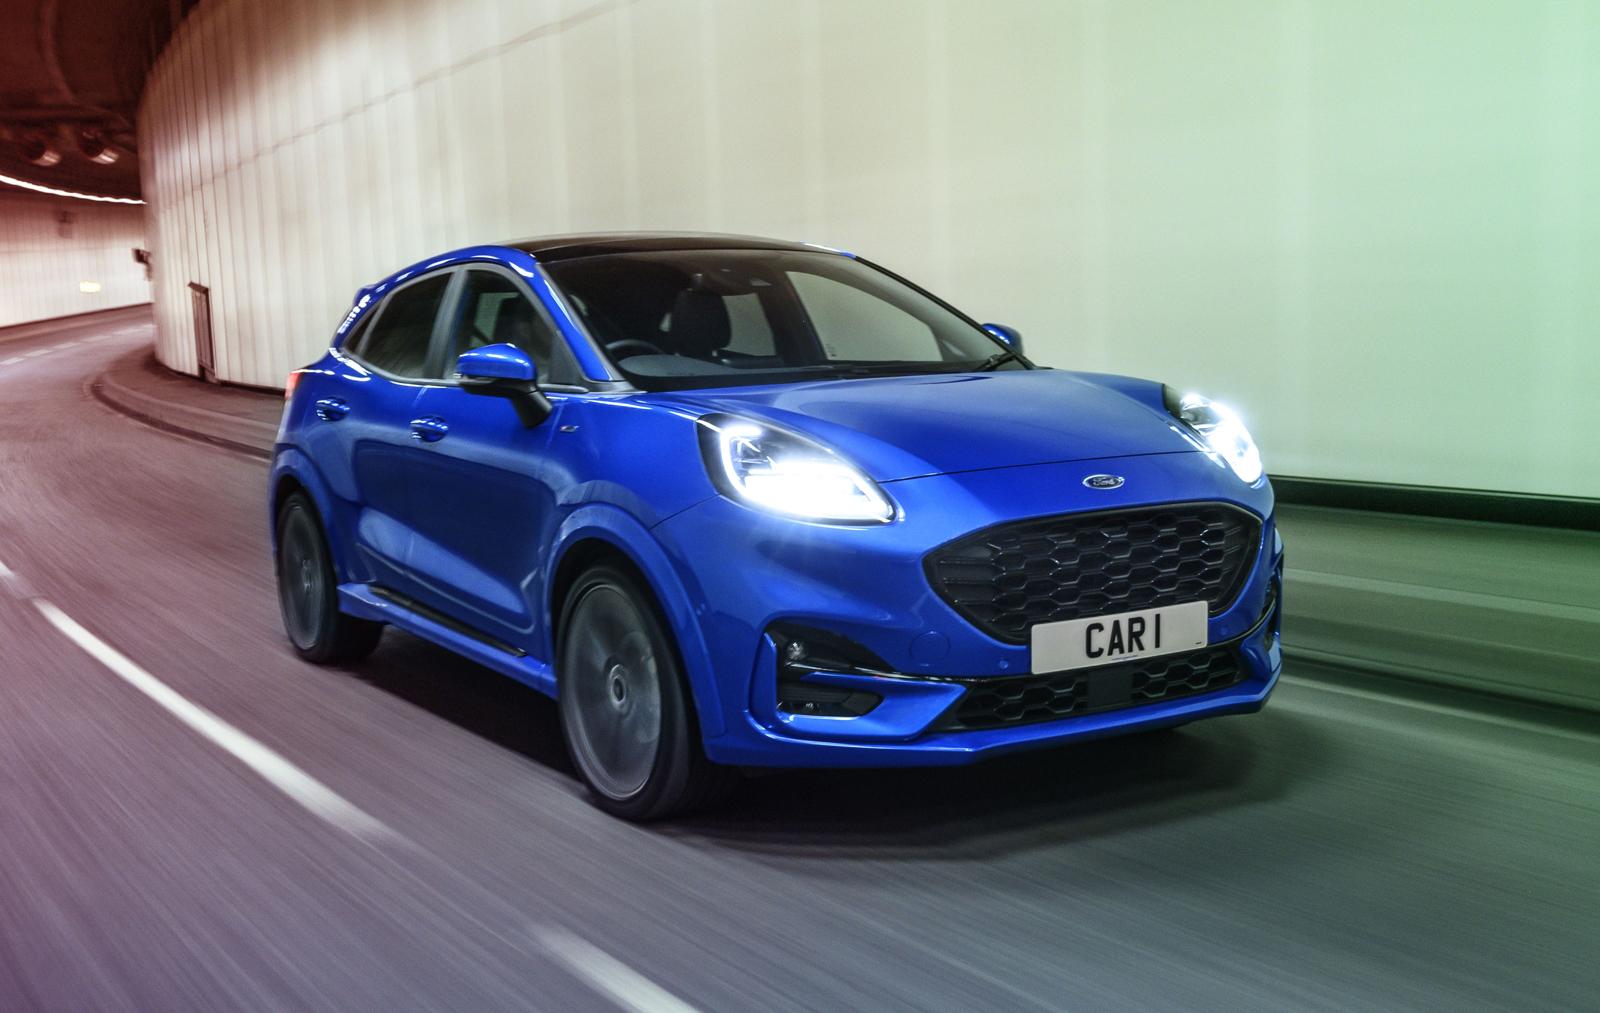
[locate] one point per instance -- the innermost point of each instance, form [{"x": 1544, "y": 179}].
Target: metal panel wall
[
  {"x": 49, "y": 248},
  {"x": 1362, "y": 223}
]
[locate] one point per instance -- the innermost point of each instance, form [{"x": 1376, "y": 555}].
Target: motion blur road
[{"x": 1342, "y": 849}]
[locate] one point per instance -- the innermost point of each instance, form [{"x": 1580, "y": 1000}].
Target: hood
[{"x": 910, "y": 426}]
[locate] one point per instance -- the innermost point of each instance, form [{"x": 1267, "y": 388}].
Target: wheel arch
[
  {"x": 293, "y": 472},
  {"x": 603, "y": 533}
]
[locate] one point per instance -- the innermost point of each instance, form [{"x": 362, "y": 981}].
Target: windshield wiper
[
  {"x": 863, "y": 370},
  {"x": 996, "y": 360},
  {"x": 909, "y": 368}
]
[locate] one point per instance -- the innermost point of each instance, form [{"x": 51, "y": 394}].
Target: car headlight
[
  {"x": 1219, "y": 429},
  {"x": 785, "y": 473}
]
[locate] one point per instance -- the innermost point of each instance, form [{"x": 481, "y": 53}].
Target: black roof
[{"x": 591, "y": 244}]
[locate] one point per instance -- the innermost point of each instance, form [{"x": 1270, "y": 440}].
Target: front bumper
[
  {"x": 908, "y": 728},
  {"x": 868, "y": 586}
]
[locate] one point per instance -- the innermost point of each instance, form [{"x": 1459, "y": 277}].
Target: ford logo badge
[{"x": 1103, "y": 481}]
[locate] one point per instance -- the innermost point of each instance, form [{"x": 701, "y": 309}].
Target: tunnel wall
[
  {"x": 48, "y": 248},
  {"x": 1371, "y": 226}
]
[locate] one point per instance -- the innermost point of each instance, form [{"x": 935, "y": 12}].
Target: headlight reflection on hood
[
  {"x": 785, "y": 473},
  {"x": 1220, "y": 429}
]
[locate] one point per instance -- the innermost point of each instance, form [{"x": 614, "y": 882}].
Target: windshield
[{"x": 699, "y": 318}]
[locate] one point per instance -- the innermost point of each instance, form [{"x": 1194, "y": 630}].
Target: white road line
[
  {"x": 304, "y": 789},
  {"x": 610, "y": 976},
  {"x": 36, "y": 351},
  {"x": 11, "y": 361},
  {"x": 14, "y": 582}
]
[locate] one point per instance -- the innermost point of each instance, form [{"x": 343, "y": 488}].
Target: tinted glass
[
  {"x": 398, "y": 343},
  {"x": 689, "y": 318},
  {"x": 854, "y": 324},
  {"x": 493, "y": 310},
  {"x": 354, "y": 339}
]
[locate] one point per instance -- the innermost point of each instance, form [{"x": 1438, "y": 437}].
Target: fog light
[{"x": 803, "y": 651}]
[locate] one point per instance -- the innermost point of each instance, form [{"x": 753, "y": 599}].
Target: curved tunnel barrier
[
  {"x": 1496, "y": 608},
  {"x": 62, "y": 258},
  {"x": 1272, "y": 230}
]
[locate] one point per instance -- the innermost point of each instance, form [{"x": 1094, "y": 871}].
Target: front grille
[
  {"x": 1007, "y": 578},
  {"x": 1001, "y": 703}
]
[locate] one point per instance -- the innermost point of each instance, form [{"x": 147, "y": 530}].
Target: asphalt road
[{"x": 163, "y": 846}]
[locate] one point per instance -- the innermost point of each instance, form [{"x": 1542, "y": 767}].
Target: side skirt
[{"x": 368, "y": 601}]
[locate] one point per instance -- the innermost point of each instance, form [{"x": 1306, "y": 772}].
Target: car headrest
[
  {"x": 700, "y": 324},
  {"x": 514, "y": 328}
]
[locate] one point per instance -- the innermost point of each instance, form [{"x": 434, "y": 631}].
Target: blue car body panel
[
  {"x": 901, "y": 427},
  {"x": 473, "y": 530}
]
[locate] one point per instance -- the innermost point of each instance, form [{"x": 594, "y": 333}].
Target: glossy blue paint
[
  {"x": 496, "y": 362},
  {"x": 1010, "y": 335},
  {"x": 476, "y": 525},
  {"x": 901, "y": 427}
]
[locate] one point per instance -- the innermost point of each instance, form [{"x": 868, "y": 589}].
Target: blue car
[{"x": 738, "y": 503}]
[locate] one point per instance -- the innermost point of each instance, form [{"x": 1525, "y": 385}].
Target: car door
[
  {"x": 486, "y": 486},
  {"x": 364, "y": 418}
]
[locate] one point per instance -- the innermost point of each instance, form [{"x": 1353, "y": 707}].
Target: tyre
[
  {"x": 626, "y": 713},
  {"x": 308, "y": 591}
]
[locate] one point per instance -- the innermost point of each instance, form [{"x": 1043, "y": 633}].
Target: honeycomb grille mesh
[
  {"x": 1008, "y": 578},
  {"x": 1001, "y": 703}
]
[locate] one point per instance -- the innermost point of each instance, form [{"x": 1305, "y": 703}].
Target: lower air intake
[{"x": 1002, "y": 703}]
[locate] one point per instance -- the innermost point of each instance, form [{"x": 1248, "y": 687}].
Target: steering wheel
[{"x": 640, "y": 346}]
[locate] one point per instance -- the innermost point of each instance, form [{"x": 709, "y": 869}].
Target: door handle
[
  {"x": 429, "y": 430},
  {"x": 331, "y": 409}
]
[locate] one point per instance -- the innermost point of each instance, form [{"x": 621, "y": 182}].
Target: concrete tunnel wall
[
  {"x": 59, "y": 257},
  {"x": 1369, "y": 226}
]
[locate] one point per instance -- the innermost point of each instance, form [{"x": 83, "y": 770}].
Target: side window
[
  {"x": 398, "y": 342},
  {"x": 852, "y": 324},
  {"x": 492, "y": 311}
]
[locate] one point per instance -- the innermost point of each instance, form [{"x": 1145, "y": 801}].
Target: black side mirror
[
  {"x": 505, "y": 371},
  {"x": 1010, "y": 335}
]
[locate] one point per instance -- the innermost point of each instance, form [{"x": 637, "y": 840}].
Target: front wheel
[
  {"x": 308, "y": 591},
  {"x": 625, "y": 711}
]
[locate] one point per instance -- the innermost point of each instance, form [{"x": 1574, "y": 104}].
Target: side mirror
[
  {"x": 1010, "y": 335},
  {"x": 496, "y": 362},
  {"x": 505, "y": 371}
]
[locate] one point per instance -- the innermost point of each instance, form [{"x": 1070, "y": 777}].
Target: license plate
[{"x": 1125, "y": 636}]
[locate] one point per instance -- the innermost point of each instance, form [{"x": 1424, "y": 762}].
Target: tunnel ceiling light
[
  {"x": 39, "y": 152},
  {"x": 88, "y": 286},
  {"x": 52, "y": 191},
  {"x": 95, "y": 148}
]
